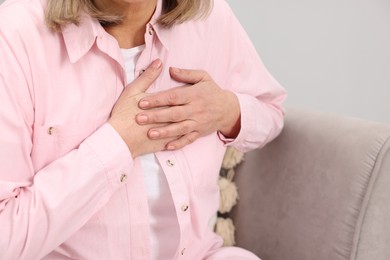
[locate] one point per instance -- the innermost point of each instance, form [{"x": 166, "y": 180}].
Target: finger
[
  {"x": 164, "y": 115},
  {"x": 172, "y": 97},
  {"x": 182, "y": 141},
  {"x": 188, "y": 76},
  {"x": 146, "y": 79},
  {"x": 172, "y": 130}
]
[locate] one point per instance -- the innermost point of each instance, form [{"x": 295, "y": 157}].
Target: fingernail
[
  {"x": 154, "y": 134},
  {"x": 142, "y": 118},
  {"x": 156, "y": 64},
  {"x": 170, "y": 147},
  {"x": 143, "y": 104},
  {"x": 175, "y": 70}
]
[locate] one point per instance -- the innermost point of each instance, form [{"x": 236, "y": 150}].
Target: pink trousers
[{"x": 230, "y": 253}]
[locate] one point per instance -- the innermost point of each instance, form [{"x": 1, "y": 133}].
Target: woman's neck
[{"x": 130, "y": 32}]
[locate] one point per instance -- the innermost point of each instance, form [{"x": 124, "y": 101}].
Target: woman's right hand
[{"x": 126, "y": 108}]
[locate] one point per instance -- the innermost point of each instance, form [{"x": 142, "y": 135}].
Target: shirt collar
[{"x": 80, "y": 38}]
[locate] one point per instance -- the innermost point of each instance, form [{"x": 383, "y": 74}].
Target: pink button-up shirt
[{"x": 69, "y": 187}]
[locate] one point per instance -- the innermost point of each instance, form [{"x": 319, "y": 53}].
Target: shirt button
[
  {"x": 50, "y": 130},
  {"x": 184, "y": 208},
  {"x": 183, "y": 251},
  {"x": 151, "y": 31},
  {"x": 170, "y": 163},
  {"x": 123, "y": 177}
]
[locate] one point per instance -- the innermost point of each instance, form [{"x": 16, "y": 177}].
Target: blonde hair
[{"x": 62, "y": 12}]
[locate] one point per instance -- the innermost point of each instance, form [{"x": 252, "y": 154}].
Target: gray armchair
[{"x": 320, "y": 191}]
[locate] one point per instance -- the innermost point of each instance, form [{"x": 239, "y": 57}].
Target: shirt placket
[
  {"x": 147, "y": 54},
  {"x": 170, "y": 164},
  {"x": 168, "y": 161}
]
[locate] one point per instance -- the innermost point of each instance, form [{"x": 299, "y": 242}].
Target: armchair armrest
[{"x": 321, "y": 190}]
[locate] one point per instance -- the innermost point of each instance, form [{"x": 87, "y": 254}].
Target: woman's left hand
[{"x": 196, "y": 109}]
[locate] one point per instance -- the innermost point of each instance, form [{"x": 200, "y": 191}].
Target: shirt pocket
[{"x": 52, "y": 141}]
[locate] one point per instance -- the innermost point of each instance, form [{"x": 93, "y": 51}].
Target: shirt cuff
[
  {"x": 113, "y": 153},
  {"x": 245, "y": 122}
]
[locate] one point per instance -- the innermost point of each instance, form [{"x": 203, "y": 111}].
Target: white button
[
  {"x": 123, "y": 177},
  {"x": 183, "y": 251},
  {"x": 184, "y": 208},
  {"x": 170, "y": 163},
  {"x": 151, "y": 31}
]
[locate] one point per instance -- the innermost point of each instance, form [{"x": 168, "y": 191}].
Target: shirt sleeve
[
  {"x": 40, "y": 210},
  {"x": 260, "y": 95}
]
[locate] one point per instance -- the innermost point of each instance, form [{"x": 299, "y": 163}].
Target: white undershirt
[{"x": 164, "y": 229}]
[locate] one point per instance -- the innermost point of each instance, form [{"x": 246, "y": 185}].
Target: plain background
[{"x": 330, "y": 55}]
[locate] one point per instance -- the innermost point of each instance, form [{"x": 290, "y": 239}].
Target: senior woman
[{"x": 115, "y": 116}]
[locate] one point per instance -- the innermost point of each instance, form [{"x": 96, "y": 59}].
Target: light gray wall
[{"x": 331, "y": 55}]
